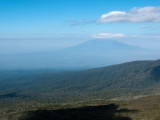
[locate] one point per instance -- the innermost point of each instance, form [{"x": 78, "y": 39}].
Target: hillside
[
  {"x": 31, "y": 95},
  {"x": 127, "y": 79}
]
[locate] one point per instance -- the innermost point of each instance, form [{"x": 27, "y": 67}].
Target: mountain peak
[{"x": 102, "y": 45}]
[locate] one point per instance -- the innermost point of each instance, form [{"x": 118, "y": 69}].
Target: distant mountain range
[
  {"x": 93, "y": 53},
  {"x": 127, "y": 79}
]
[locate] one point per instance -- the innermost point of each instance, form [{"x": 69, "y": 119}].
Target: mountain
[
  {"x": 122, "y": 80},
  {"x": 91, "y": 54}
]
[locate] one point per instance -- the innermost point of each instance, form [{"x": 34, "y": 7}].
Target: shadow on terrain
[
  {"x": 105, "y": 112},
  {"x": 9, "y": 95},
  {"x": 12, "y": 95}
]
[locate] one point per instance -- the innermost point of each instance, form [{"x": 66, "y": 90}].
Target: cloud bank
[
  {"x": 135, "y": 15},
  {"x": 108, "y": 35}
]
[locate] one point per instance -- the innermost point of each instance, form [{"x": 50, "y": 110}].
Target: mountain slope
[{"x": 128, "y": 79}]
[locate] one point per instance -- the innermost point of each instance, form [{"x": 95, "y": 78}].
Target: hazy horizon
[{"x": 31, "y": 32}]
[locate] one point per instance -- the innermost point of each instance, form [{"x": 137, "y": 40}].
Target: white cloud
[
  {"x": 136, "y": 15},
  {"x": 108, "y": 35}
]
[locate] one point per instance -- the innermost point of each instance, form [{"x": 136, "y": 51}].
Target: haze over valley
[{"x": 90, "y": 54}]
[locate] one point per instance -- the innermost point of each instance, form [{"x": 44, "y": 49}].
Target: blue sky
[{"x": 41, "y": 25}]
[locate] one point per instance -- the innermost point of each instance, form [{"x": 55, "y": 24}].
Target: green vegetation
[
  {"x": 128, "y": 79},
  {"x": 24, "y": 95},
  {"x": 144, "y": 108}
]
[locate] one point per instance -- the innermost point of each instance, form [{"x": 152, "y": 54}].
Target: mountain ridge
[{"x": 127, "y": 79}]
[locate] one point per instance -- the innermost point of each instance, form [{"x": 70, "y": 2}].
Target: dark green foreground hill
[{"x": 127, "y": 79}]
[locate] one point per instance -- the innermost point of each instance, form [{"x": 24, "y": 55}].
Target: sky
[{"x": 43, "y": 25}]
